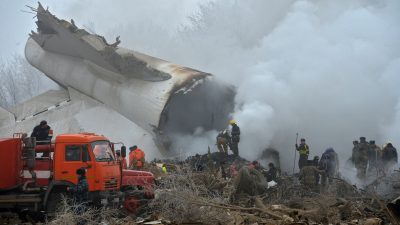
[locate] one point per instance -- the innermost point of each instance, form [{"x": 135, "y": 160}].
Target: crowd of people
[{"x": 367, "y": 157}]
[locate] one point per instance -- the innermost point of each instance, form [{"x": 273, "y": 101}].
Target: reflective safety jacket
[
  {"x": 164, "y": 169},
  {"x": 303, "y": 149}
]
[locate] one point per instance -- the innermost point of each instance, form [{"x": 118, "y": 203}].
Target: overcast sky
[
  {"x": 326, "y": 69},
  {"x": 16, "y": 24}
]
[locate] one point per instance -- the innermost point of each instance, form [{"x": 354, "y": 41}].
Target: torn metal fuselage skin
[{"x": 159, "y": 96}]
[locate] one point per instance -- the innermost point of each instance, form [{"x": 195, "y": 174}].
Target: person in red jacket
[{"x": 136, "y": 158}]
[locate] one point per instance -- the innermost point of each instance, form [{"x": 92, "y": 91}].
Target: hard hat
[{"x": 232, "y": 122}]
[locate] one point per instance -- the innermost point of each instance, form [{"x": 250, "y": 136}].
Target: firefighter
[
  {"x": 136, "y": 158},
  {"x": 41, "y": 132},
  {"x": 374, "y": 157},
  {"x": 360, "y": 157},
  {"x": 329, "y": 163},
  {"x": 223, "y": 140},
  {"x": 81, "y": 190},
  {"x": 304, "y": 151},
  {"x": 235, "y": 137},
  {"x": 389, "y": 156}
]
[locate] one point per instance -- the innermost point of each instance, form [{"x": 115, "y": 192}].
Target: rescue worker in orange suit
[
  {"x": 235, "y": 137},
  {"x": 136, "y": 158},
  {"x": 304, "y": 151},
  {"x": 41, "y": 132}
]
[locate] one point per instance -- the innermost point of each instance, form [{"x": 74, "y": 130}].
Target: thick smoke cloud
[{"x": 327, "y": 70}]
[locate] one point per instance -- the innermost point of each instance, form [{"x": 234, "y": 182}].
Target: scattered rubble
[
  {"x": 188, "y": 195},
  {"x": 196, "y": 191}
]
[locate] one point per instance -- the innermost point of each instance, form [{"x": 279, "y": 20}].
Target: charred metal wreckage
[{"x": 159, "y": 96}]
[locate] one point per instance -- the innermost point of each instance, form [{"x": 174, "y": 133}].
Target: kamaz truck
[{"x": 35, "y": 176}]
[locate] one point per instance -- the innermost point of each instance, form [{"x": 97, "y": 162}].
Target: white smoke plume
[{"x": 329, "y": 70}]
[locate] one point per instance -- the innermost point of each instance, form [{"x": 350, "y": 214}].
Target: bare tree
[{"x": 20, "y": 81}]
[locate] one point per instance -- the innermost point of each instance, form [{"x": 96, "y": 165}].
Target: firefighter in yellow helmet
[
  {"x": 304, "y": 151},
  {"x": 235, "y": 137}
]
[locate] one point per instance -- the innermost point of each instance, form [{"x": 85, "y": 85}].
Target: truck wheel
[
  {"x": 54, "y": 204},
  {"x": 135, "y": 203},
  {"x": 132, "y": 204}
]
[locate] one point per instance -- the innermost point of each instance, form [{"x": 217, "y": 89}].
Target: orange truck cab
[
  {"x": 39, "y": 175},
  {"x": 95, "y": 154}
]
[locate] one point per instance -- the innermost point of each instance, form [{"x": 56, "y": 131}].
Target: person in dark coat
[
  {"x": 375, "y": 158},
  {"x": 41, "y": 131},
  {"x": 329, "y": 163},
  {"x": 81, "y": 190},
  {"x": 389, "y": 156},
  {"x": 81, "y": 194},
  {"x": 272, "y": 172},
  {"x": 235, "y": 137}
]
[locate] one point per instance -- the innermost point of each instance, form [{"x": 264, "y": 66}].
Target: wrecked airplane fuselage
[{"x": 159, "y": 96}]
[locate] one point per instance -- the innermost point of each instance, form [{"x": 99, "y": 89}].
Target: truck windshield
[{"x": 102, "y": 151}]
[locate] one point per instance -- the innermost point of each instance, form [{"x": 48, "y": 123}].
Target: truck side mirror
[{"x": 123, "y": 151}]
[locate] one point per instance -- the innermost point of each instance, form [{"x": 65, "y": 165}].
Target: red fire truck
[{"x": 35, "y": 176}]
